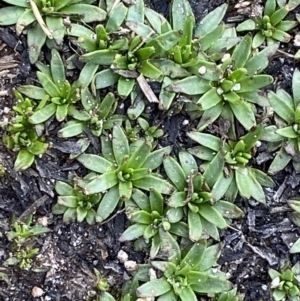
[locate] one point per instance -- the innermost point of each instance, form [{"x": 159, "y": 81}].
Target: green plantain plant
[
  {"x": 23, "y": 231},
  {"x": 23, "y": 257},
  {"x": 121, "y": 168},
  {"x": 193, "y": 197},
  {"x": 271, "y": 27},
  {"x": 232, "y": 295},
  {"x": 22, "y": 136},
  {"x": 57, "y": 89},
  {"x": 227, "y": 169},
  {"x": 47, "y": 19},
  {"x": 187, "y": 272},
  {"x": 74, "y": 204},
  {"x": 285, "y": 135},
  {"x": 286, "y": 284},
  {"x": 96, "y": 116},
  {"x": 148, "y": 215},
  {"x": 229, "y": 88}
]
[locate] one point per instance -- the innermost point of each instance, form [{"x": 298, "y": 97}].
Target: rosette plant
[
  {"x": 74, "y": 204},
  {"x": 285, "y": 135},
  {"x": 186, "y": 273},
  {"x": 227, "y": 169},
  {"x": 123, "y": 167},
  {"x": 148, "y": 215},
  {"x": 271, "y": 27},
  {"x": 97, "y": 116},
  {"x": 286, "y": 283},
  {"x": 45, "y": 19},
  {"x": 22, "y": 136},
  {"x": 194, "y": 198},
  {"x": 229, "y": 89}
]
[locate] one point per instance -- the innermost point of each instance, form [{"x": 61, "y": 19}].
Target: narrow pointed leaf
[
  {"x": 120, "y": 144},
  {"x": 95, "y": 163},
  {"x": 152, "y": 181},
  {"x": 133, "y": 232},
  {"x": 175, "y": 173},
  {"x": 154, "y": 288},
  {"x": 43, "y": 114},
  {"x": 24, "y": 160}
]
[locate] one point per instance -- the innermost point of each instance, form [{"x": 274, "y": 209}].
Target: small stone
[
  {"x": 122, "y": 256},
  {"x": 37, "y": 292},
  {"x": 131, "y": 265},
  {"x": 43, "y": 221}
]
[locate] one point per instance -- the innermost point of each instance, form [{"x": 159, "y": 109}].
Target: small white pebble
[
  {"x": 37, "y": 292},
  {"x": 122, "y": 256},
  {"x": 131, "y": 265}
]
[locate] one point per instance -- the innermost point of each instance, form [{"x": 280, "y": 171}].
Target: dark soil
[{"x": 69, "y": 253}]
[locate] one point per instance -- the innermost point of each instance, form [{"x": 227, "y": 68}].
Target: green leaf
[
  {"x": 287, "y": 132},
  {"x": 99, "y": 57},
  {"x": 192, "y": 85},
  {"x": 125, "y": 190},
  {"x": 177, "y": 199},
  {"x": 187, "y": 293},
  {"x": 155, "y": 159},
  {"x": 242, "y": 52},
  {"x": 243, "y": 182},
  {"x": 141, "y": 217},
  {"x": 262, "y": 178},
  {"x": 164, "y": 42},
  {"x": 214, "y": 169},
  {"x": 58, "y": 209},
  {"x": 69, "y": 215},
  {"x": 71, "y": 130},
  {"x": 24, "y": 160},
  {"x": 296, "y": 87},
  {"x": 281, "y": 36},
  {"x": 181, "y": 10},
  {"x": 195, "y": 226},
  {"x": 278, "y": 15},
  {"x": 68, "y": 201},
  {"x": 221, "y": 186},
  {"x": 81, "y": 214},
  {"x": 153, "y": 181},
  {"x": 43, "y": 114},
  {"x": 63, "y": 188},
  {"x": 255, "y": 82},
  {"x": 105, "y": 296},
  {"x": 194, "y": 255},
  {"x": 207, "y": 140},
  {"x": 24, "y": 20},
  {"x": 188, "y": 163},
  {"x": 210, "y": 116},
  {"x": 170, "y": 247},
  {"x": 133, "y": 232},
  {"x": 48, "y": 84},
  {"x": 296, "y": 247},
  {"x": 141, "y": 199},
  {"x": 210, "y": 99},
  {"x": 247, "y": 25},
  {"x": 286, "y": 25},
  {"x": 154, "y": 288},
  {"x": 116, "y": 18},
  {"x": 108, "y": 204},
  {"x": 270, "y": 7},
  {"x": 281, "y": 107},
  {"x": 96, "y": 163},
  {"x": 32, "y": 91},
  {"x": 120, "y": 144},
  {"x": 280, "y": 161},
  {"x": 175, "y": 173},
  {"x": 136, "y": 11},
  {"x": 210, "y": 257},
  {"x": 156, "y": 201},
  {"x": 100, "y": 183},
  {"x": 260, "y": 61},
  {"x": 228, "y": 210},
  {"x": 10, "y": 15},
  {"x": 212, "y": 215},
  {"x": 258, "y": 40},
  {"x": 86, "y": 75},
  {"x": 61, "y": 112},
  {"x": 139, "y": 156},
  {"x": 91, "y": 13},
  {"x": 252, "y": 137},
  {"x": 211, "y": 20},
  {"x": 57, "y": 28},
  {"x": 210, "y": 38},
  {"x": 256, "y": 190},
  {"x": 243, "y": 113},
  {"x": 214, "y": 284},
  {"x": 37, "y": 147},
  {"x": 36, "y": 38}
]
